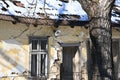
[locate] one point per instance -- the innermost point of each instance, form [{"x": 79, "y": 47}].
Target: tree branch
[
  {"x": 85, "y": 4},
  {"x": 106, "y": 3},
  {"x": 89, "y": 6}
]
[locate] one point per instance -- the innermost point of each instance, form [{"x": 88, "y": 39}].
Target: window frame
[{"x": 38, "y": 52}]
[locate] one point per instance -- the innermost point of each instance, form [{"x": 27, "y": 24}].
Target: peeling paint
[{"x": 15, "y": 52}]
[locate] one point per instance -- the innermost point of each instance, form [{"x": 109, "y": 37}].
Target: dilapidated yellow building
[
  {"x": 36, "y": 46},
  {"x": 29, "y": 52},
  {"x": 26, "y": 50}
]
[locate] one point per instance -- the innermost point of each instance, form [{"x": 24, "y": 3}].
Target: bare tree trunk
[
  {"x": 101, "y": 39},
  {"x": 101, "y": 34}
]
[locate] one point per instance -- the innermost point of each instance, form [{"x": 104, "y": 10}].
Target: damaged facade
[
  {"x": 30, "y": 52},
  {"x": 47, "y": 52},
  {"x": 47, "y": 49}
]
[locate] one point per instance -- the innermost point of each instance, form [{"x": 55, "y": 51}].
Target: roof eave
[
  {"x": 46, "y": 21},
  {"x": 42, "y": 21}
]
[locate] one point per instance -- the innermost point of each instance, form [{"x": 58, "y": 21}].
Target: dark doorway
[{"x": 67, "y": 71}]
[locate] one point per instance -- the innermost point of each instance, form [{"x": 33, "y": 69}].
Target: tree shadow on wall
[{"x": 16, "y": 65}]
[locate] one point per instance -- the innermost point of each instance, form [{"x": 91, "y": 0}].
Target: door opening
[{"x": 68, "y": 66}]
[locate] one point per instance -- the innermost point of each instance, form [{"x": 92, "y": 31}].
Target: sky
[{"x": 53, "y": 9}]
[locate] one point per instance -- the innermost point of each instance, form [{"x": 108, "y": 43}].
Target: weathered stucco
[{"x": 15, "y": 53}]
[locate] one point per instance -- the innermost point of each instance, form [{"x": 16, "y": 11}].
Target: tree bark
[
  {"x": 100, "y": 32},
  {"x": 101, "y": 40}
]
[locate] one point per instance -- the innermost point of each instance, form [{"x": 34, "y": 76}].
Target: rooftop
[{"x": 42, "y": 11}]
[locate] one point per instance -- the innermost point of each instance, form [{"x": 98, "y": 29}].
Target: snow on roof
[
  {"x": 117, "y": 2},
  {"x": 53, "y": 9},
  {"x": 115, "y": 18}
]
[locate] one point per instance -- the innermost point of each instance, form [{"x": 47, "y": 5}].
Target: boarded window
[{"x": 38, "y": 56}]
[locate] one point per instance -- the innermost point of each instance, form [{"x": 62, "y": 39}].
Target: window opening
[{"x": 38, "y": 56}]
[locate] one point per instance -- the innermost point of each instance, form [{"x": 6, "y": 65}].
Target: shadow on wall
[{"x": 11, "y": 61}]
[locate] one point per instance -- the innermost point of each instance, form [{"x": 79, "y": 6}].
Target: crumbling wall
[{"x": 15, "y": 52}]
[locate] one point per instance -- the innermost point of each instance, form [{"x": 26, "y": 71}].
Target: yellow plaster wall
[
  {"x": 14, "y": 45},
  {"x": 14, "y": 48}
]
